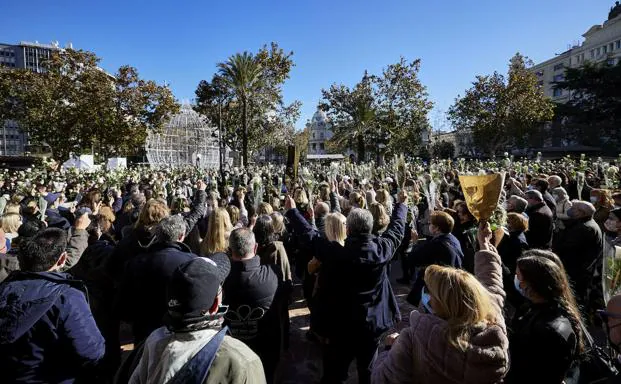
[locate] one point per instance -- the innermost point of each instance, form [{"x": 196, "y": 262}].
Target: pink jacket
[{"x": 422, "y": 354}]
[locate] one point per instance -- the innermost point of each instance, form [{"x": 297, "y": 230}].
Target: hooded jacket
[
  {"x": 47, "y": 331},
  {"x": 422, "y": 353}
]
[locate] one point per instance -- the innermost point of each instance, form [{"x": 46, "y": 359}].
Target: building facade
[
  {"x": 602, "y": 43},
  {"x": 26, "y": 55},
  {"x": 320, "y": 131}
]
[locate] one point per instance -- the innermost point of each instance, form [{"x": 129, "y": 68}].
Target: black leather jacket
[{"x": 542, "y": 345}]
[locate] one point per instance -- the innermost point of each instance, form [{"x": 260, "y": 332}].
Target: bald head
[
  {"x": 554, "y": 181},
  {"x": 321, "y": 209},
  {"x": 581, "y": 210}
]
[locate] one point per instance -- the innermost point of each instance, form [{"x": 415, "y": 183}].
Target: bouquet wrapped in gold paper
[{"x": 482, "y": 193}]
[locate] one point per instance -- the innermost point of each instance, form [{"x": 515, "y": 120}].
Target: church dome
[{"x": 320, "y": 117}]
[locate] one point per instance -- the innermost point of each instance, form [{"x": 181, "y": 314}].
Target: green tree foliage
[
  {"x": 593, "y": 113},
  {"x": 500, "y": 111},
  {"x": 75, "y": 106},
  {"x": 247, "y": 93},
  {"x": 389, "y": 109},
  {"x": 443, "y": 149}
]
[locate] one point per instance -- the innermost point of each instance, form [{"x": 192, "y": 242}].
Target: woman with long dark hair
[{"x": 546, "y": 336}]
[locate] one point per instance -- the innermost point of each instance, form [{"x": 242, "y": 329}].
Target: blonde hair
[
  {"x": 335, "y": 227},
  {"x": 357, "y": 200},
  {"x": 299, "y": 196},
  {"x": 233, "y": 212},
  {"x": 265, "y": 209},
  {"x": 217, "y": 239},
  {"x": 154, "y": 211},
  {"x": 380, "y": 217},
  {"x": 462, "y": 301},
  {"x": 383, "y": 197},
  {"x": 12, "y": 208},
  {"x": 278, "y": 222},
  {"x": 11, "y": 222}
]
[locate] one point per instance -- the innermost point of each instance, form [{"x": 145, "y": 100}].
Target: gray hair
[
  {"x": 359, "y": 221},
  {"x": 555, "y": 181},
  {"x": 519, "y": 203},
  {"x": 242, "y": 242},
  {"x": 581, "y": 209},
  {"x": 170, "y": 229}
]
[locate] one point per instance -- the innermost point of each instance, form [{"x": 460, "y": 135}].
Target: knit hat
[{"x": 193, "y": 289}]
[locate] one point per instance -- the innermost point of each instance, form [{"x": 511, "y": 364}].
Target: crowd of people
[{"x": 197, "y": 271}]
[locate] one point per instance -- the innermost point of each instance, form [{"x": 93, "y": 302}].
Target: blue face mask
[
  {"x": 425, "y": 299},
  {"x": 516, "y": 282}
]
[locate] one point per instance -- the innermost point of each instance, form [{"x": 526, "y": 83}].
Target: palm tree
[{"x": 242, "y": 72}]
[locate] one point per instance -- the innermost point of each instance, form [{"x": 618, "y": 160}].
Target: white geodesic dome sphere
[{"x": 187, "y": 139}]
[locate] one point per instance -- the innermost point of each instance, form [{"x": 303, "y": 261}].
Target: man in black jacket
[
  {"x": 142, "y": 293},
  {"x": 540, "y": 221},
  {"x": 442, "y": 249},
  {"x": 580, "y": 248},
  {"x": 362, "y": 305},
  {"x": 249, "y": 291}
]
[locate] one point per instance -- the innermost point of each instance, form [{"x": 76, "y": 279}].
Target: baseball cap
[
  {"x": 51, "y": 197},
  {"x": 193, "y": 289}
]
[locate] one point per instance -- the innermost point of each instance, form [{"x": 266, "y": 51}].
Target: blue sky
[{"x": 180, "y": 42}]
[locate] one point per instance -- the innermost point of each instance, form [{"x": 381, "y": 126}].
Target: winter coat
[
  {"x": 540, "y": 226},
  {"x": 166, "y": 352},
  {"x": 250, "y": 291},
  {"x": 142, "y": 295},
  {"x": 466, "y": 234},
  {"x": 562, "y": 207},
  {"x": 138, "y": 239},
  {"x": 443, "y": 249},
  {"x": 47, "y": 331},
  {"x": 76, "y": 244},
  {"x": 550, "y": 201},
  {"x": 542, "y": 345},
  {"x": 422, "y": 354},
  {"x": 359, "y": 297},
  {"x": 579, "y": 247}
]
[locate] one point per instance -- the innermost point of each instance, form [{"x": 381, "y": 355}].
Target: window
[
  {"x": 611, "y": 61},
  {"x": 605, "y": 48},
  {"x": 313, "y": 135},
  {"x": 599, "y": 50},
  {"x": 611, "y": 47},
  {"x": 314, "y": 146},
  {"x": 557, "y": 92},
  {"x": 321, "y": 135},
  {"x": 618, "y": 44},
  {"x": 540, "y": 73},
  {"x": 559, "y": 77},
  {"x": 322, "y": 146},
  {"x": 592, "y": 53},
  {"x": 559, "y": 66}
]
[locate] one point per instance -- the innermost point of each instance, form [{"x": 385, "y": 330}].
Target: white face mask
[{"x": 594, "y": 199}]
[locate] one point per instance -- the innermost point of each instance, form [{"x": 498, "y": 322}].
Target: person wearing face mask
[
  {"x": 442, "y": 249},
  {"x": 580, "y": 247},
  {"x": 546, "y": 335},
  {"x": 540, "y": 221},
  {"x": 459, "y": 335}
]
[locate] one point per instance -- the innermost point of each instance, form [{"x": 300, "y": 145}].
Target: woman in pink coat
[{"x": 462, "y": 338}]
